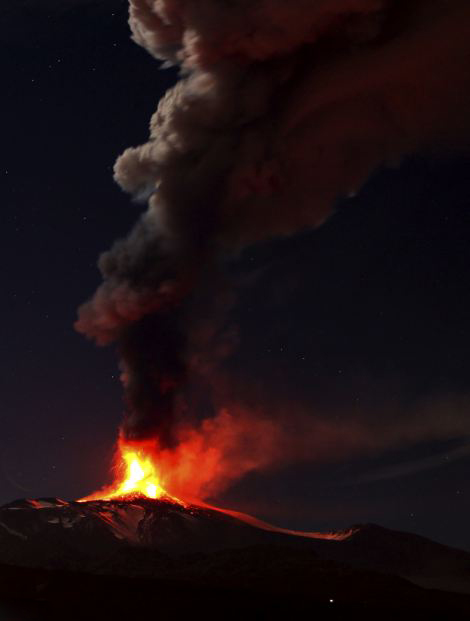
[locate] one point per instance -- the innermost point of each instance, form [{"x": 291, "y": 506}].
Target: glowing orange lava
[{"x": 136, "y": 474}]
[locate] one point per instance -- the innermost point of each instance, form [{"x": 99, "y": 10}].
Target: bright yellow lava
[
  {"x": 141, "y": 477},
  {"x": 136, "y": 475}
]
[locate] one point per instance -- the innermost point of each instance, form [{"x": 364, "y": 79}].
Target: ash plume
[{"x": 283, "y": 107}]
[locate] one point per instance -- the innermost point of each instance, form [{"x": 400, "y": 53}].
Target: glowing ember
[{"x": 136, "y": 475}]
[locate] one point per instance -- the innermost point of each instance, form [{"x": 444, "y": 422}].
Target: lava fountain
[{"x": 136, "y": 474}]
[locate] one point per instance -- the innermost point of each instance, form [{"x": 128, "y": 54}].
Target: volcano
[
  {"x": 54, "y": 533},
  {"x": 51, "y": 549}
]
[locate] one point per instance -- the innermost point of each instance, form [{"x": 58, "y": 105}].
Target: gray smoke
[{"x": 283, "y": 107}]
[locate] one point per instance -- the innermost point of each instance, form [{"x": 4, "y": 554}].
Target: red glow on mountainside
[{"x": 142, "y": 470}]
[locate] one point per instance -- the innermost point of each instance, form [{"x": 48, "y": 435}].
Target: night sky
[{"x": 366, "y": 318}]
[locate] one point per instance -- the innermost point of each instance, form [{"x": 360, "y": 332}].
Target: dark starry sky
[{"x": 371, "y": 312}]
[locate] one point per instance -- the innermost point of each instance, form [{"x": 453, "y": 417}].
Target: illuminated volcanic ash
[{"x": 282, "y": 108}]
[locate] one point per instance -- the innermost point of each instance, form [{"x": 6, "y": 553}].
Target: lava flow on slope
[{"x": 139, "y": 476}]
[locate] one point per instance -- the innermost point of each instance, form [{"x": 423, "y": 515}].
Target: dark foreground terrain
[{"x": 259, "y": 582}]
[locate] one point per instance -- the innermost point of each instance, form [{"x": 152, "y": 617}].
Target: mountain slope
[{"x": 168, "y": 540}]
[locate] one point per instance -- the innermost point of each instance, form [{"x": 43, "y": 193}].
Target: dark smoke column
[{"x": 284, "y": 107}]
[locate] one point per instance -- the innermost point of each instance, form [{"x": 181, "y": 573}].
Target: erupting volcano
[
  {"x": 282, "y": 110},
  {"x": 138, "y": 477}
]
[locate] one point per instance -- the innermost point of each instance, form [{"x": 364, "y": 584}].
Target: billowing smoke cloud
[{"x": 283, "y": 107}]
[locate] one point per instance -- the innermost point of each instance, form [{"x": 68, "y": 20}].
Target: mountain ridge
[{"x": 157, "y": 537}]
